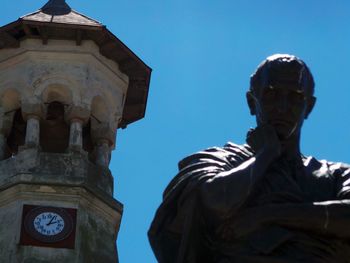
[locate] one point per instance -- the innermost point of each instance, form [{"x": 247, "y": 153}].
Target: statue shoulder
[
  {"x": 208, "y": 163},
  {"x": 333, "y": 168},
  {"x": 173, "y": 219},
  {"x": 231, "y": 154},
  {"x": 339, "y": 168}
]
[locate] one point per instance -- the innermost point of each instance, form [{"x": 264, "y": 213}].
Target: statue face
[{"x": 284, "y": 106}]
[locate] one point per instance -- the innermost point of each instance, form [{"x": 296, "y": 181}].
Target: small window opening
[
  {"x": 54, "y": 131},
  {"x": 88, "y": 145},
  {"x": 17, "y": 134}
]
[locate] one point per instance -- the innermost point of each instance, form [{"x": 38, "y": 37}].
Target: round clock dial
[{"x": 48, "y": 224}]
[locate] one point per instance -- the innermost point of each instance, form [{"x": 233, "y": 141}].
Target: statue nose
[{"x": 282, "y": 104}]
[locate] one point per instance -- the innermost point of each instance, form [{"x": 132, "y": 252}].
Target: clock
[
  {"x": 49, "y": 223},
  {"x": 48, "y": 226}
]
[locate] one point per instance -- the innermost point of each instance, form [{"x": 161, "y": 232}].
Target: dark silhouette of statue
[{"x": 263, "y": 201}]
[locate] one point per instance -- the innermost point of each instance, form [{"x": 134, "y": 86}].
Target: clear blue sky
[{"x": 202, "y": 53}]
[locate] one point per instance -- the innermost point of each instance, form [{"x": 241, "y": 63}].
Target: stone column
[
  {"x": 32, "y": 112},
  {"x": 103, "y": 153},
  {"x": 32, "y": 138},
  {"x": 103, "y": 137},
  {"x": 76, "y": 116},
  {"x": 76, "y": 134}
]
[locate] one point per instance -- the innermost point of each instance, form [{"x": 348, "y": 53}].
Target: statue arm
[
  {"x": 225, "y": 193},
  {"x": 330, "y": 218},
  {"x": 327, "y": 218}
]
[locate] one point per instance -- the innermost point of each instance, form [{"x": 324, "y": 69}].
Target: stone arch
[
  {"x": 57, "y": 94},
  {"x": 100, "y": 113},
  {"x": 111, "y": 103},
  {"x": 57, "y": 88}
]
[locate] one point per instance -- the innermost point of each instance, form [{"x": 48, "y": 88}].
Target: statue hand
[{"x": 264, "y": 140}]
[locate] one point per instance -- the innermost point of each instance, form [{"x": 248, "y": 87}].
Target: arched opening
[
  {"x": 88, "y": 145},
  {"x": 16, "y": 137},
  {"x": 54, "y": 131},
  {"x": 14, "y": 125}
]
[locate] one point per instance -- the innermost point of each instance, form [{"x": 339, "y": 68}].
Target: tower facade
[{"x": 66, "y": 85}]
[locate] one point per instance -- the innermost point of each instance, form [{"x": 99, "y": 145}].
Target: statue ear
[
  {"x": 251, "y": 102},
  {"x": 310, "y": 105}
]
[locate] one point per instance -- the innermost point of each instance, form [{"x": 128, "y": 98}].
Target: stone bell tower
[{"x": 66, "y": 85}]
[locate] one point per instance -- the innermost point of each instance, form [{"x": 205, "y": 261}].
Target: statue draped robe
[{"x": 184, "y": 231}]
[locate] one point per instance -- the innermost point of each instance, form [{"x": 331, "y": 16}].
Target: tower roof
[
  {"x": 57, "y": 20},
  {"x": 56, "y": 7},
  {"x": 58, "y": 11}
]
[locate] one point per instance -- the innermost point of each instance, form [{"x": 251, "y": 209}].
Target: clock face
[{"x": 48, "y": 224}]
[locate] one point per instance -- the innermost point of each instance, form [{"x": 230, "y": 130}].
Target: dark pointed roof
[
  {"x": 56, "y": 7},
  {"x": 56, "y": 20},
  {"x": 58, "y": 11}
]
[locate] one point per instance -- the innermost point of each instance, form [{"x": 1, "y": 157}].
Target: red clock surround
[{"x": 29, "y": 237}]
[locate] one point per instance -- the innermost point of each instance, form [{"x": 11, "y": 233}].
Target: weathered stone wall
[
  {"x": 87, "y": 83},
  {"x": 64, "y": 181},
  {"x": 91, "y": 91}
]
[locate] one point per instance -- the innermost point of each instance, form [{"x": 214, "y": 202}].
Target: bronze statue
[{"x": 263, "y": 201}]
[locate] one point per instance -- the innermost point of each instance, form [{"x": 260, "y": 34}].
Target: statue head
[{"x": 281, "y": 94}]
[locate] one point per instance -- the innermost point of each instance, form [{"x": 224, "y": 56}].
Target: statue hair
[{"x": 282, "y": 68}]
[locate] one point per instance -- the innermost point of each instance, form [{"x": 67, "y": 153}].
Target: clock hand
[{"x": 54, "y": 217}]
